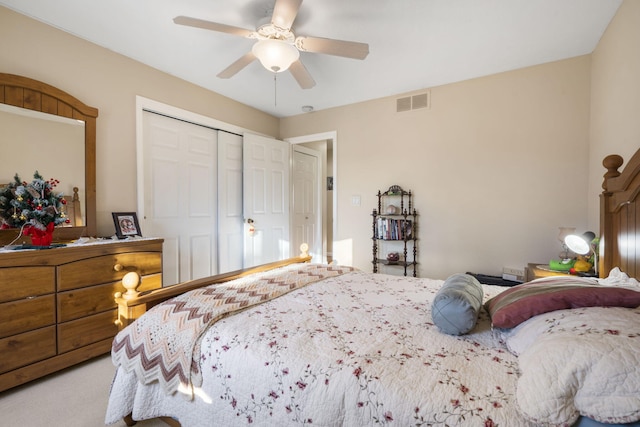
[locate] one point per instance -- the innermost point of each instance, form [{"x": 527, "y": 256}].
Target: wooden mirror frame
[{"x": 34, "y": 95}]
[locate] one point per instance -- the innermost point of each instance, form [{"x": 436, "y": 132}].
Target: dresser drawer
[
  {"x": 95, "y": 299},
  {"x": 102, "y": 269},
  {"x": 27, "y": 314},
  {"x": 87, "y": 330},
  {"x": 22, "y": 282},
  {"x": 29, "y": 347}
]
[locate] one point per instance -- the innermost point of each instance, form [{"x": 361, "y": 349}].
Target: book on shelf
[{"x": 393, "y": 229}]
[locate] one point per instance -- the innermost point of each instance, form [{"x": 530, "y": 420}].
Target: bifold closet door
[
  {"x": 230, "y": 222},
  {"x": 180, "y": 195}
]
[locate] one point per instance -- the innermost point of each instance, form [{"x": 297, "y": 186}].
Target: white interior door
[
  {"x": 307, "y": 217},
  {"x": 180, "y": 186},
  {"x": 230, "y": 221},
  {"x": 266, "y": 166}
]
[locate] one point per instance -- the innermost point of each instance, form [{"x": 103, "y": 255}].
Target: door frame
[{"x": 333, "y": 136}]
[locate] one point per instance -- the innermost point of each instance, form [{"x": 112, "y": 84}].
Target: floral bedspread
[
  {"x": 163, "y": 345},
  {"x": 355, "y": 350}
]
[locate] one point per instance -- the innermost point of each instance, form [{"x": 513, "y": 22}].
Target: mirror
[
  {"x": 27, "y": 102},
  {"x": 52, "y": 144}
]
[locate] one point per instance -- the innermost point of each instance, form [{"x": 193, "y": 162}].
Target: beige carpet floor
[{"x": 75, "y": 397}]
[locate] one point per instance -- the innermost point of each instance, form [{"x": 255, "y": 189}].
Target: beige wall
[
  {"x": 496, "y": 165},
  {"x": 499, "y": 162},
  {"x": 110, "y": 82},
  {"x": 615, "y": 97}
]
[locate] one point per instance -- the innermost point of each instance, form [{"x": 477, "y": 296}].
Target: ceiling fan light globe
[{"x": 275, "y": 55}]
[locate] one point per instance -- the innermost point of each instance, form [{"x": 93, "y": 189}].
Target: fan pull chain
[{"x": 275, "y": 89}]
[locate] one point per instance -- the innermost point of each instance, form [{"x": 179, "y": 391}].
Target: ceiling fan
[{"x": 277, "y": 48}]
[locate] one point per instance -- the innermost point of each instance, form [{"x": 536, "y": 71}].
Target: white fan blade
[
  {"x": 302, "y": 76},
  {"x": 344, "y": 48},
  {"x": 284, "y": 13},
  {"x": 232, "y": 69},
  {"x": 213, "y": 26}
]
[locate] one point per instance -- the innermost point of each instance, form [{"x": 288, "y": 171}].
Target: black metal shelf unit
[{"x": 395, "y": 231}]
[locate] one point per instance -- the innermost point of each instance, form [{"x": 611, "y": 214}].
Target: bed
[{"x": 295, "y": 343}]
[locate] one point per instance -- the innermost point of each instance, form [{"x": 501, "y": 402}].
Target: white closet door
[
  {"x": 180, "y": 186},
  {"x": 266, "y": 199},
  {"x": 230, "y": 221}
]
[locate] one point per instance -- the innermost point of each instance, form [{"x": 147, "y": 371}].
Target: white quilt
[
  {"x": 356, "y": 350},
  {"x": 582, "y": 361},
  {"x": 361, "y": 349}
]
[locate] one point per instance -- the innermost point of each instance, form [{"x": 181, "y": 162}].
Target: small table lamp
[
  {"x": 564, "y": 232},
  {"x": 583, "y": 245}
]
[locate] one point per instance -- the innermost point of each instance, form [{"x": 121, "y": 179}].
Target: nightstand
[{"x": 538, "y": 270}]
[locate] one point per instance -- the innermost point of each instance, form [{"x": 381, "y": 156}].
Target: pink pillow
[{"x": 521, "y": 302}]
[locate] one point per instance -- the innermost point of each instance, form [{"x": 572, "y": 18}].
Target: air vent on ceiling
[{"x": 414, "y": 102}]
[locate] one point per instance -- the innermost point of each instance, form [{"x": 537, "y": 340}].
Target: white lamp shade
[
  {"x": 577, "y": 244},
  {"x": 275, "y": 55}
]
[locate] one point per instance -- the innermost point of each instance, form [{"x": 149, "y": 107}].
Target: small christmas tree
[{"x": 33, "y": 205}]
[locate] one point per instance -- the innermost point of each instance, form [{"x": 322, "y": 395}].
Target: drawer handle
[{"x": 120, "y": 267}]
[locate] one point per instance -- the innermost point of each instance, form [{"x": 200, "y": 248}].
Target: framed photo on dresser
[{"x": 126, "y": 224}]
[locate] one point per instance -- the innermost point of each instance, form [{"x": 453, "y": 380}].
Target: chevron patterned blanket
[{"x": 163, "y": 345}]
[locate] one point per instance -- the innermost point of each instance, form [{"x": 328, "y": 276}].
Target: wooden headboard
[{"x": 620, "y": 216}]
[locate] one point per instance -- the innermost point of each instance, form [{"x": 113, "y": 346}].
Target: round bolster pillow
[{"x": 457, "y": 303}]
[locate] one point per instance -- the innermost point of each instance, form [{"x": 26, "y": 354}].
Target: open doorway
[{"x": 325, "y": 143}]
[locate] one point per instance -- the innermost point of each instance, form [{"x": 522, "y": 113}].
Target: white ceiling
[{"x": 414, "y": 44}]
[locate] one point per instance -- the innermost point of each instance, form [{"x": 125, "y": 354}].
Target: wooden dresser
[{"x": 57, "y": 306}]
